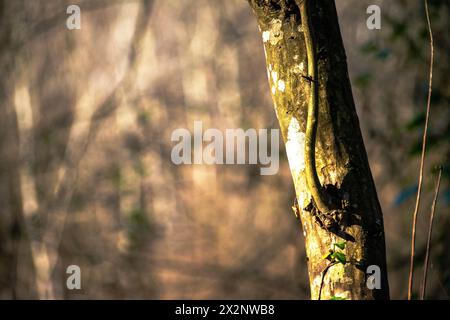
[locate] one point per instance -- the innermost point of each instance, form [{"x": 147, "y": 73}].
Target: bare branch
[
  {"x": 422, "y": 159},
  {"x": 430, "y": 230}
]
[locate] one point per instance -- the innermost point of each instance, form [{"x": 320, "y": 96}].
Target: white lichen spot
[
  {"x": 295, "y": 147},
  {"x": 281, "y": 85},
  {"x": 296, "y": 57},
  {"x": 303, "y": 200},
  {"x": 298, "y": 68},
  {"x": 273, "y": 89},
  {"x": 275, "y": 34},
  {"x": 274, "y": 76},
  {"x": 270, "y": 67},
  {"x": 266, "y": 36}
]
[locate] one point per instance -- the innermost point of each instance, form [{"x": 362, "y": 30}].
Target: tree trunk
[
  {"x": 340, "y": 158},
  {"x": 16, "y": 264}
]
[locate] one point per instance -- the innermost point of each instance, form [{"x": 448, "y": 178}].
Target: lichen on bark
[{"x": 340, "y": 156}]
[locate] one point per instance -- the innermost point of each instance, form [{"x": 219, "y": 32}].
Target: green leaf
[
  {"x": 327, "y": 256},
  {"x": 340, "y": 245},
  {"x": 339, "y": 256},
  {"x": 337, "y": 298}
]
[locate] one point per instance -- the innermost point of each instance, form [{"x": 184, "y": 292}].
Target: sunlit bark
[{"x": 341, "y": 159}]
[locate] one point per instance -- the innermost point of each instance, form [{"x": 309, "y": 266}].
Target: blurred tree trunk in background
[
  {"x": 341, "y": 159},
  {"x": 16, "y": 264}
]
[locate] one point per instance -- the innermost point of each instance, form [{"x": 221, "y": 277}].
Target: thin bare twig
[
  {"x": 430, "y": 230},
  {"x": 422, "y": 159}
]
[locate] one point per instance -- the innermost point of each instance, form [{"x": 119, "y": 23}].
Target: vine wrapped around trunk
[{"x": 333, "y": 183}]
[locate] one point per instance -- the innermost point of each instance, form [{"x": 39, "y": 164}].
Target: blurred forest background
[{"x": 85, "y": 170}]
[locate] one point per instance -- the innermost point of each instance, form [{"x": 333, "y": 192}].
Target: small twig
[
  {"x": 430, "y": 230},
  {"x": 422, "y": 159},
  {"x": 324, "y": 272}
]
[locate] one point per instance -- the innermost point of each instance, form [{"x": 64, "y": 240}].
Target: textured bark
[{"x": 341, "y": 159}]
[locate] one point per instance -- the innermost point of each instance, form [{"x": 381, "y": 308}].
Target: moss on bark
[{"x": 341, "y": 159}]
